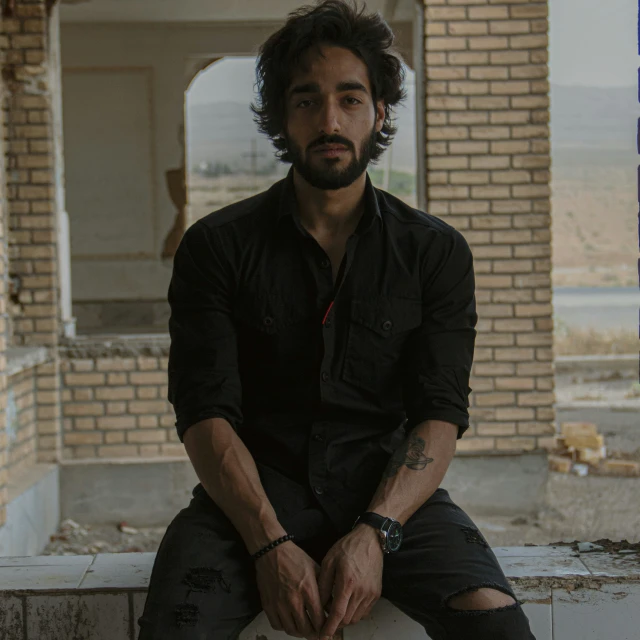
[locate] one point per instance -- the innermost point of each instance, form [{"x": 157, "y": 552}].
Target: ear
[{"x": 379, "y": 114}]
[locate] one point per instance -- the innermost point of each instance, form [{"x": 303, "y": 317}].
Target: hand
[
  {"x": 288, "y": 583},
  {"x": 351, "y": 572}
]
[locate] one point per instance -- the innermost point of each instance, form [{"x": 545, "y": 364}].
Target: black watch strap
[{"x": 373, "y": 519}]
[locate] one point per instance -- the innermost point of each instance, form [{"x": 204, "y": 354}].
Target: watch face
[{"x": 394, "y": 536}]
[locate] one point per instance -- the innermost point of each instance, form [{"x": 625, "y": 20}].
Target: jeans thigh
[
  {"x": 203, "y": 583},
  {"x": 443, "y": 554}
]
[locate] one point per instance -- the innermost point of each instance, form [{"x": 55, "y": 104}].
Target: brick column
[
  {"x": 31, "y": 194},
  {"x": 487, "y": 114}
]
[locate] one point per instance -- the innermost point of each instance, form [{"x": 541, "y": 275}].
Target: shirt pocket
[
  {"x": 377, "y": 332},
  {"x": 272, "y": 332}
]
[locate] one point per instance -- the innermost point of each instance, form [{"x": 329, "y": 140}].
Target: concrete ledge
[
  {"x": 600, "y": 363},
  {"x": 21, "y": 358},
  {"x": 567, "y": 596},
  {"x": 33, "y": 511}
]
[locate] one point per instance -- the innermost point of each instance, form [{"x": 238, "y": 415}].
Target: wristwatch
[{"x": 390, "y": 530}]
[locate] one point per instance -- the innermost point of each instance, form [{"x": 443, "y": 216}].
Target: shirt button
[
  {"x": 325, "y": 376},
  {"x": 325, "y": 264},
  {"x": 319, "y": 490},
  {"x": 327, "y": 323},
  {"x": 318, "y": 438},
  {"x": 268, "y": 321},
  {"x": 387, "y": 325}
]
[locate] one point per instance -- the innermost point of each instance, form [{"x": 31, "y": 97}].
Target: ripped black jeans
[{"x": 203, "y": 581}]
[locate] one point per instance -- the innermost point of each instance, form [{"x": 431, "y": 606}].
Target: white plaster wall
[{"x": 123, "y": 98}]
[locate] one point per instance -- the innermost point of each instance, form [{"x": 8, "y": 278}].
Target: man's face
[{"x": 331, "y": 120}]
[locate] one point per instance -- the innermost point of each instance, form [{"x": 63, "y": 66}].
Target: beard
[{"x": 328, "y": 176}]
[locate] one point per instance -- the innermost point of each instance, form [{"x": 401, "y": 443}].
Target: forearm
[
  {"x": 415, "y": 470},
  {"x": 228, "y": 472}
]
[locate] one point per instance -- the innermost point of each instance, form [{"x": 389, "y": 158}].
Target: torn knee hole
[
  {"x": 482, "y": 599},
  {"x": 474, "y": 536}
]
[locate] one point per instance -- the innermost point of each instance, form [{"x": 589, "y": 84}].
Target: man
[{"x": 322, "y": 340}]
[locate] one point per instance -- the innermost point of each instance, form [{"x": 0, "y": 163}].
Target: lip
[{"x": 330, "y": 150}]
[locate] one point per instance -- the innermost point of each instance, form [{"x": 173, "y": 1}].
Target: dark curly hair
[{"x": 339, "y": 23}]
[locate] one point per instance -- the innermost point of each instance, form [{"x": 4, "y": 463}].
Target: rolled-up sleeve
[
  {"x": 440, "y": 352},
  {"x": 203, "y": 368}
]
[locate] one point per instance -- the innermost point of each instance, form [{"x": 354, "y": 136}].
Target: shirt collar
[{"x": 288, "y": 206}]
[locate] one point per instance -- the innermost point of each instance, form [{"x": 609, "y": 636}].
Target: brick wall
[
  {"x": 21, "y": 394},
  {"x": 4, "y": 473},
  {"x": 32, "y": 224},
  {"x": 114, "y": 402},
  {"x": 487, "y": 114}
]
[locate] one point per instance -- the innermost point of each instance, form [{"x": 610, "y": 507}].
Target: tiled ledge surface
[{"x": 567, "y": 596}]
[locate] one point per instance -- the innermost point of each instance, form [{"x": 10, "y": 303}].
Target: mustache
[{"x": 331, "y": 140}]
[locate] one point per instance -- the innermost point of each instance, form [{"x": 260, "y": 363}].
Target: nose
[{"x": 329, "y": 120}]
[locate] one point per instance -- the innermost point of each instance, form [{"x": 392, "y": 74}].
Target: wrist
[
  {"x": 370, "y": 535},
  {"x": 261, "y": 532}
]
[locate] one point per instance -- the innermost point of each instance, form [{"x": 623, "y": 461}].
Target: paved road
[{"x": 597, "y": 308}]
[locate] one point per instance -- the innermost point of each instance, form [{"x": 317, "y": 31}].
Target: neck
[{"x": 330, "y": 212}]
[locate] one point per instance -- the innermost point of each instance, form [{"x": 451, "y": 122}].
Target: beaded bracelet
[{"x": 272, "y": 545}]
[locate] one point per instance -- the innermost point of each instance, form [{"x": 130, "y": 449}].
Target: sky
[{"x": 591, "y": 43}]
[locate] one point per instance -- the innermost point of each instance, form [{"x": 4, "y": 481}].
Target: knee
[{"x": 483, "y": 599}]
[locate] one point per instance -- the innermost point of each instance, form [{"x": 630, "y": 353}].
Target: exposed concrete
[
  {"x": 498, "y": 484},
  {"x": 139, "y": 492},
  {"x": 21, "y": 358},
  {"x": 33, "y": 511}
]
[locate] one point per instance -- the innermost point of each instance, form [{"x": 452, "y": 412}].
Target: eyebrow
[{"x": 314, "y": 87}]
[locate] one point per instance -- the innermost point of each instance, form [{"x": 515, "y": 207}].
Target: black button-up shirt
[{"x": 321, "y": 380}]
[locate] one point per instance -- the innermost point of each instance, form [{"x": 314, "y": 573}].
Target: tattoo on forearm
[{"x": 410, "y": 454}]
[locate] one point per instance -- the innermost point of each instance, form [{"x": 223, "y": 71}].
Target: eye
[
  {"x": 353, "y": 101},
  {"x": 304, "y": 103}
]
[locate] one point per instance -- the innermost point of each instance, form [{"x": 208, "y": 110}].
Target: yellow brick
[
  {"x": 84, "y": 409},
  {"x": 148, "y": 377},
  {"x": 469, "y": 117},
  {"x": 27, "y": 42},
  {"x": 114, "y": 437},
  {"x": 509, "y": 27},
  {"x": 148, "y": 406},
  {"x": 475, "y": 444},
  {"x": 468, "y": 28},
  {"x": 468, "y": 58},
  {"x": 168, "y": 420},
  {"x": 445, "y": 13},
  {"x": 530, "y": 71},
  {"x": 629, "y": 468},
  {"x": 30, "y": 10},
  {"x": 490, "y": 133},
  {"x": 490, "y": 192},
  {"x": 539, "y": 56},
  {"x": 117, "y": 379},
  {"x": 173, "y": 450},
  {"x": 489, "y": 73},
  {"x": 494, "y": 281},
  {"x": 116, "y": 408},
  {"x": 149, "y": 450},
  {"x": 468, "y": 148},
  {"x": 146, "y": 436},
  {"x": 492, "y": 251},
  {"x": 531, "y": 161},
  {"x": 494, "y": 369},
  {"x": 118, "y": 451},
  {"x": 469, "y": 206},
  {"x": 539, "y": 26},
  {"x": 435, "y": 29},
  {"x": 545, "y": 413},
  {"x": 437, "y": 118},
  {"x": 535, "y": 399},
  {"x": 468, "y": 88},
  {"x": 510, "y": 117},
  {"x": 531, "y": 191},
  {"x": 497, "y": 399},
  {"x": 514, "y": 325},
  {"x": 436, "y": 149},
  {"x": 115, "y": 393},
  {"x": 148, "y": 422},
  {"x": 147, "y": 393},
  {"x": 539, "y": 41},
  {"x": 84, "y": 379},
  {"x": 446, "y": 43},
  {"x": 448, "y": 103},
  {"x": 447, "y": 133},
  {"x": 435, "y": 58},
  {"x": 488, "y": 13},
  {"x": 84, "y": 424},
  {"x": 511, "y": 237},
  {"x": 492, "y": 222},
  {"x": 514, "y": 355},
  {"x": 530, "y": 131},
  {"x": 116, "y": 364},
  {"x": 496, "y": 429},
  {"x": 449, "y": 192},
  {"x": 148, "y": 364},
  {"x": 83, "y": 394},
  {"x": 511, "y": 146},
  {"x": 529, "y": 10},
  {"x": 447, "y": 73},
  {"x": 469, "y": 177},
  {"x": 509, "y": 87},
  {"x": 82, "y": 438},
  {"x": 490, "y": 162},
  {"x": 456, "y": 162},
  {"x": 488, "y": 43},
  {"x": 117, "y": 422}
]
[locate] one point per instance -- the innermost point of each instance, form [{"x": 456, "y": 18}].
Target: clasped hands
[{"x": 306, "y": 600}]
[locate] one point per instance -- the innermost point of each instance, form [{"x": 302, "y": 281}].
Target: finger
[
  {"x": 364, "y": 610},
  {"x": 274, "y": 620},
  {"x": 302, "y": 622},
  {"x": 325, "y": 583},
  {"x": 354, "y": 604},
  {"x": 315, "y": 610},
  {"x": 338, "y": 609},
  {"x": 288, "y": 624}
]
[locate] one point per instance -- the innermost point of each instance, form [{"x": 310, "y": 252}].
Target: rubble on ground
[
  {"x": 581, "y": 450},
  {"x": 73, "y": 538}
]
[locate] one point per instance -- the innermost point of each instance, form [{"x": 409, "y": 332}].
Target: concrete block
[
  {"x": 114, "y": 569},
  {"x": 40, "y": 577},
  {"x": 11, "y": 620},
  {"x": 521, "y": 567},
  {"x": 498, "y": 484},
  {"x": 536, "y": 603},
  {"x": 139, "y": 600},
  {"x": 142, "y": 493},
  {"x": 612, "y": 612},
  {"x": 91, "y": 617}
]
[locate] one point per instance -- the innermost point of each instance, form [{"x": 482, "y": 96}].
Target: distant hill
[{"x": 601, "y": 122}]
